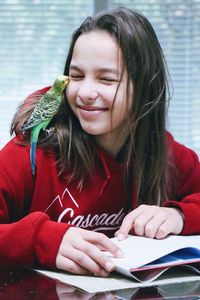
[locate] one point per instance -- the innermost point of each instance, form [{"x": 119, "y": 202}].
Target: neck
[{"x": 111, "y": 144}]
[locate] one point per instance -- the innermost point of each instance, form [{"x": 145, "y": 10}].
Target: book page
[
  {"x": 94, "y": 284},
  {"x": 139, "y": 251}
]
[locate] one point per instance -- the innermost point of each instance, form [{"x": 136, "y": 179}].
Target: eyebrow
[{"x": 103, "y": 70}]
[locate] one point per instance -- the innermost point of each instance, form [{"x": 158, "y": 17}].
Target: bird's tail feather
[{"x": 32, "y": 157}]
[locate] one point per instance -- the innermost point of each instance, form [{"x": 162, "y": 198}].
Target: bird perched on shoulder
[{"x": 45, "y": 109}]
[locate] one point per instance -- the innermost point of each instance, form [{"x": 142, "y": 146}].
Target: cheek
[
  {"x": 120, "y": 103},
  {"x": 70, "y": 93},
  {"x": 119, "y": 113},
  {"x": 108, "y": 93},
  {"x": 124, "y": 100}
]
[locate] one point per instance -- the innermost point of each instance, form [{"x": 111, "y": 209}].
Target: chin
[{"x": 92, "y": 131}]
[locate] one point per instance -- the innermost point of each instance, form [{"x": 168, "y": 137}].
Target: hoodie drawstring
[{"x": 108, "y": 176}]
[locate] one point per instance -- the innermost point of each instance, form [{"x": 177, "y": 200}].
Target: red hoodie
[{"x": 36, "y": 212}]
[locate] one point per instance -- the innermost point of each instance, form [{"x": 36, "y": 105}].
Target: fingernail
[
  {"x": 104, "y": 273},
  {"x": 109, "y": 266},
  {"x": 120, "y": 254},
  {"x": 120, "y": 237}
]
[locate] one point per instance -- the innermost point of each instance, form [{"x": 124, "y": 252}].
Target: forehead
[{"x": 97, "y": 46}]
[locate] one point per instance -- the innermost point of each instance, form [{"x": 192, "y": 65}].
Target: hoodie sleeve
[
  {"x": 25, "y": 239},
  {"x": 187, "y": 180},
  {"x": 32, "y": 241}
]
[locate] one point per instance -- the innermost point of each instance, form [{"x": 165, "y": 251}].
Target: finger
[
  {"x": 66, "y": 264},
  {"x": 136, "y": 220},
  {"x": 166, "y": 223},
  {"x": 141, "y": 222},
  {"x": 101, "y": 259},
  {"x": 177, "y": 219},
  {"x": 90, "y": 258},
  {"x": 127, "y": 224},
  {"x": 164, "y": 230},
  {"x": 101, "y": 241},
  {"x": 152, "y": 226}
]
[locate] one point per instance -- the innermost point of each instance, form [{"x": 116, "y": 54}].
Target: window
[
  {"x": 34, "y": 38},
  {"x": 177, "y": 24},
  {"x": 35, "y": 35}
]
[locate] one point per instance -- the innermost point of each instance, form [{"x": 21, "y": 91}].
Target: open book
[{"x": 145, "y": 259}]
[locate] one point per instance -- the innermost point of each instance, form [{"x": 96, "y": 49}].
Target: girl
[{"x": 105, "y": 165}]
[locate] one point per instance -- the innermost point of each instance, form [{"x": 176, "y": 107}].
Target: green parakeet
[{"x": 42, "y": 114}]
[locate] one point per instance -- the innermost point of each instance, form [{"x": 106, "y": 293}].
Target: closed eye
[
  {"x": 76, "y": 76},
  {"x": 108, "y": 79}
]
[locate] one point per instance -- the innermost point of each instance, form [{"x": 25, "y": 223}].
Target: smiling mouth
[{"x": 92, "y": 108}]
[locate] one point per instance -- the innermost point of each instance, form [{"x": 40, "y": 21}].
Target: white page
[
  {"x": 139, "y": 251},
  {"x": 93, "y": 284}
]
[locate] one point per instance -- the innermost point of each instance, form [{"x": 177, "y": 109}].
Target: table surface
[{"x": 26, "y": 284}]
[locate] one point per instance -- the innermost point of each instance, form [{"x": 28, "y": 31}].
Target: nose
[{"x": 87, "y": 91}]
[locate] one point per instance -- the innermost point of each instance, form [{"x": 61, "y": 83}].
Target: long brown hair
[{"x": 144, "y": 151}]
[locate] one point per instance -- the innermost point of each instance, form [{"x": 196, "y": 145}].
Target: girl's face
[{"x": 96, "y": 93}]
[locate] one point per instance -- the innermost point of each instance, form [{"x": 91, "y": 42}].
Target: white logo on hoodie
[{"x": 97, "y": 222}]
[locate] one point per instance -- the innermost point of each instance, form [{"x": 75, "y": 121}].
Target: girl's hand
[
  {"x": 80, "y": 252},
  {"x": 152, "y": 222}
]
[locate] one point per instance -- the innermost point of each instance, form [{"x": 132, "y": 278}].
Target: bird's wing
[{"x": 44, "y": 110}]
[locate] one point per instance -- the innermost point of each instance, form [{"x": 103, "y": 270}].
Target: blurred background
[{"x": 34, "y": 40}]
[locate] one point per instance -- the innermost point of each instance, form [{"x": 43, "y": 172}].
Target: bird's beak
[{"x": 67, "y": 79}]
